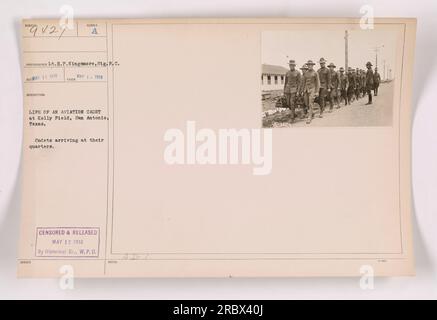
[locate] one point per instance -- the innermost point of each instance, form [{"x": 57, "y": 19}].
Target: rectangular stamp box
[{"x": 73, "y": 242}]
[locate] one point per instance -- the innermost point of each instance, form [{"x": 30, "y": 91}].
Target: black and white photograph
[{"x": 328, "y": 78}]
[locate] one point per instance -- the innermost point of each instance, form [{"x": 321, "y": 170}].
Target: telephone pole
[
  {"x": 346, "y": 50},
  {"x": 376, "y": 54}
]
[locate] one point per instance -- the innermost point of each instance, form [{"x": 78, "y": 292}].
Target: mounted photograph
[{"x": 328, "y": 78}]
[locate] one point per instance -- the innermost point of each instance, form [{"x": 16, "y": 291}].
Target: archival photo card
[{"x": 149, "y": 150}]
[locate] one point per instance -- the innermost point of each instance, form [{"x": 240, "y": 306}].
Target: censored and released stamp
[{"x": 77, "y": 242}]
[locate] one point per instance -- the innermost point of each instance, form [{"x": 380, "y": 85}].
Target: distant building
[{"x": 272, "y": 77}]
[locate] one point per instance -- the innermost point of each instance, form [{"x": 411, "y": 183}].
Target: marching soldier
[
  {"x": 325, "y": 85},
  {"x": 304, "y": 69},
  {"x": 310, "y": 88},
  {"x": 376, "y": 81},
  {"x": 335, "y": 81},
  {"x": 363, "y": 83},
  {"x": 291, "y": 87},
  {"x": 369, "y": 81},
  {"x": 351, "y": 87},
  {"x": 343, "y": 87},
  {"x": 357, "y": 84}
]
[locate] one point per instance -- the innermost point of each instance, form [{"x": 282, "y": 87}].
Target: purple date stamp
[{"x": 67, "y": 242}]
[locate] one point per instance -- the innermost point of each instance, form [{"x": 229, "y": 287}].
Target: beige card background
[{"x": 338, "y": 198}]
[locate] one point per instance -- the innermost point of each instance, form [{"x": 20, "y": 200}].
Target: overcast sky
[{"x": 280, "y": 46}]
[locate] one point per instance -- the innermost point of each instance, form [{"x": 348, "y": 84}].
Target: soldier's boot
[
  {"x": 370, "y": 100},
  {"x": 322, "y": 109},
  {"x": 310, "y": 117},
  {"x": 292, "y": 115}
]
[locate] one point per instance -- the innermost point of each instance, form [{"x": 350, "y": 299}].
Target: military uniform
[
  {"x": 376, "y": 81},
  {"x": 304, "y": 103},
  {"x": 357, "y": 84},
  {"x": 362, "y": 83},
  {"x": 369, "y": 81},
  {"x": 351, "y": 88},
  {"x": 310, "y": 88},
  {"x": 291, "y": 88},
  {"x": 335, "y": 81},
  {"x": 343, "y": 86},
  {"x": 325, "y": 86}
]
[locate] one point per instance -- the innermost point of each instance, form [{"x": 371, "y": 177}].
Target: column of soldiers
[{"x": 327, "y": 86}]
